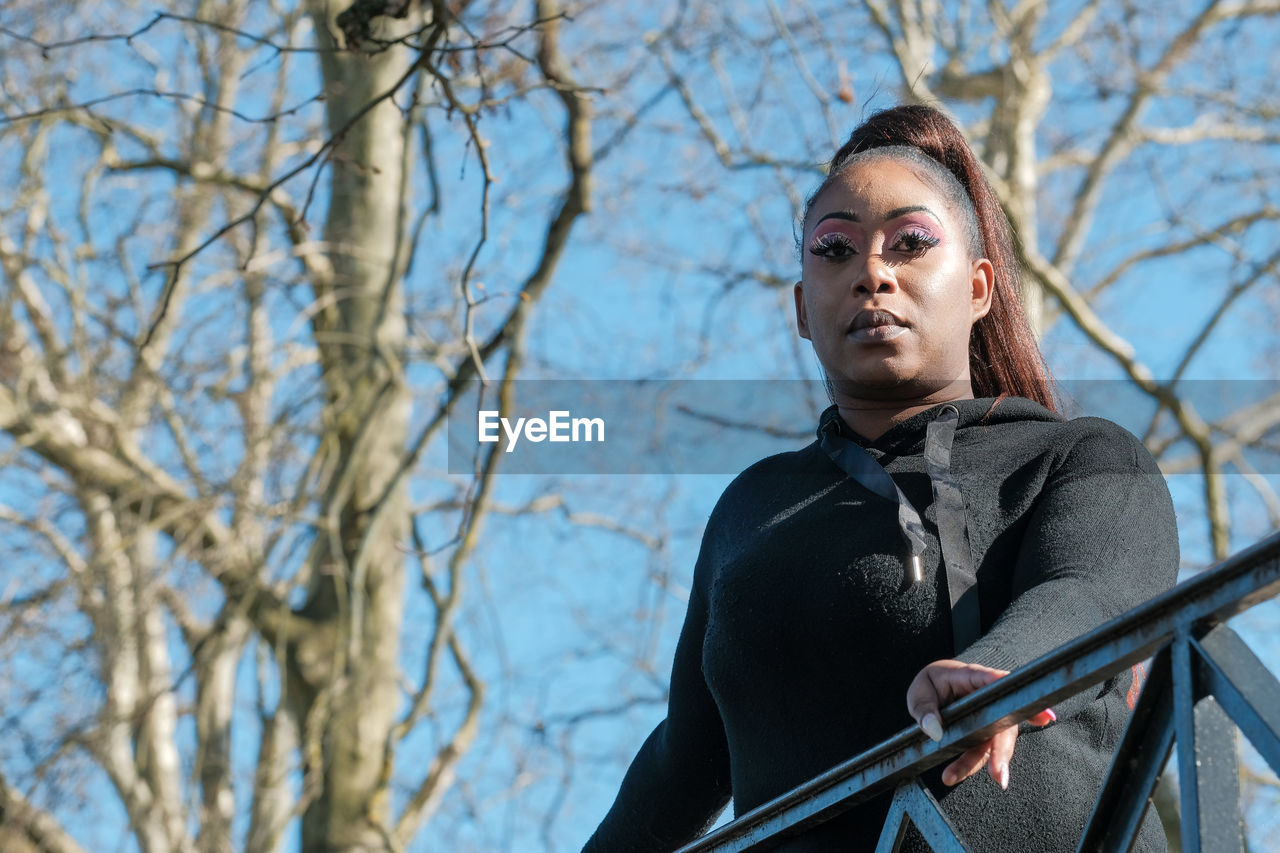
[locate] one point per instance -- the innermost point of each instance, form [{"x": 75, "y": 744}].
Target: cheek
[
  {"x": 821, "y": 284},
  {"x": 947, "y": 288}
]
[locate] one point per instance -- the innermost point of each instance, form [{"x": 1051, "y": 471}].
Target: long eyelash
[
  {"x": 832, "y": 240},
  {"x": 914, "y": 241}
]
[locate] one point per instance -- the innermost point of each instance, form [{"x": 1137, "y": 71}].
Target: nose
[{"x": 875, "y": 276}]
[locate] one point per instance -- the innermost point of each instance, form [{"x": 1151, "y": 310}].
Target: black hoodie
[{"x": 800, "y": 641}]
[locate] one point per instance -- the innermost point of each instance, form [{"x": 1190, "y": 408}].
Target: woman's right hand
[{"x": 945, "y": 681}]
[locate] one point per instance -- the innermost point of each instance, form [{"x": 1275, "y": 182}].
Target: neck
[{"x": 871, "y": 417}]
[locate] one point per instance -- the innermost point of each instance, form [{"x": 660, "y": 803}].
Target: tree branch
[
  {"x": 1125, "y": 134},
  {"x": 36, "y": 825},
  {"x": 1055, "y": 283}
]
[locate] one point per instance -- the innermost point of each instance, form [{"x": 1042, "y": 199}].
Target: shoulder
[
  {"x": 759, "y": 492},
  {"x": 1026, "y": 430},
  {"x": 1099, "y": 443},
  {"x": 785, "y": 471},
  {"x": 1096, "y": 462},
  {"x": 766, "y": 479}
]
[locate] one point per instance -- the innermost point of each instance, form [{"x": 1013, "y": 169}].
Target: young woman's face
[{"x": 888, "y": 291}]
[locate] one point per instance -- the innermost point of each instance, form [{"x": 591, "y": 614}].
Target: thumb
[
  {"x": 941, "y": 682},
  {"x": 922, "y": 705},
  {"x": 931, "y": 724}
]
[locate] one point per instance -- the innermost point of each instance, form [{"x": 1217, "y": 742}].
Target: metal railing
[{"x": 1202, "y": 683}]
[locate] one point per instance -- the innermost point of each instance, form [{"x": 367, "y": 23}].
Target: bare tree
[
  {"x": 252, "y": 253},
  {"x": 230, "y": 458},
  {"x": 1070, "y": 106}
]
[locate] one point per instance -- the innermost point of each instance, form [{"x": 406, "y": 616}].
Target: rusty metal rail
[{"x": 1202, "y": 684}]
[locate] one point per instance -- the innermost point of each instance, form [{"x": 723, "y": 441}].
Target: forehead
[{"x": 873, "y": 187}]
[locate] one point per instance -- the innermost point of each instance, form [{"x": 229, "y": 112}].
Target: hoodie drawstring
[{"x": 953, "y": 531}]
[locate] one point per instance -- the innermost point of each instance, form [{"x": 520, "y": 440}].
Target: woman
[{"x": 825, "y": 592}]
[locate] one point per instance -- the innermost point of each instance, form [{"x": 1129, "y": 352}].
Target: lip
[{"x": 876, "y": 324}]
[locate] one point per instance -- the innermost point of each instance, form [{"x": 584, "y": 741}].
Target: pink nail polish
[{"x": 1052, "y": 716}]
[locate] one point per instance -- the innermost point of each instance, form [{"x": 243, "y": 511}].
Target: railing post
[
  {"x": 912, "y": 801},
  {"x": 1139, "y": 760},
  {"x": 1208, "y": 767},
  {"x": 1244, "y": 687}
]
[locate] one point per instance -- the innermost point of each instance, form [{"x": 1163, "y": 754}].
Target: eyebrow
[{"x": 893, "y": 214}]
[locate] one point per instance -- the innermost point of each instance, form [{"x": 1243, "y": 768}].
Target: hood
[{"x": 908, "y": 437}]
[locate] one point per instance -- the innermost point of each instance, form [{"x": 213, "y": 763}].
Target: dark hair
[{"x": 1004, "y": 357}]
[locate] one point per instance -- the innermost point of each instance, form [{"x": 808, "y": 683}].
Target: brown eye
[
  {"x": 915, "y": 242},
  {"x": 832, "y": 245}
]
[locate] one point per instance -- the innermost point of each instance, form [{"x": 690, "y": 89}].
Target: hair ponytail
[{"x": 1004, "y": 357}]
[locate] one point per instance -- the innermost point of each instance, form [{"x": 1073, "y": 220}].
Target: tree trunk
[{"x": 343, "y": 663}]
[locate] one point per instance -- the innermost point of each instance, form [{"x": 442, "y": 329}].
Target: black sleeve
[
  {"x": 678, "y": 783},
  {"x": 1101, "y": 540}
]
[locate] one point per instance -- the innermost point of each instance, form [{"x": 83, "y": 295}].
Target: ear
[
  {"x": 982, "y": 283},
  {"x": 802, "y": 317}
]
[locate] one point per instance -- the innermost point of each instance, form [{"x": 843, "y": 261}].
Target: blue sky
[{"x": 566, "y": 617}]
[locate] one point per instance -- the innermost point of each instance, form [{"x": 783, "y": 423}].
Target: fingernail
[
  {"x": 1002, "y": 776},
  {"x": 930, "y": 725},
  {"x": 1052, "y": 716}
]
